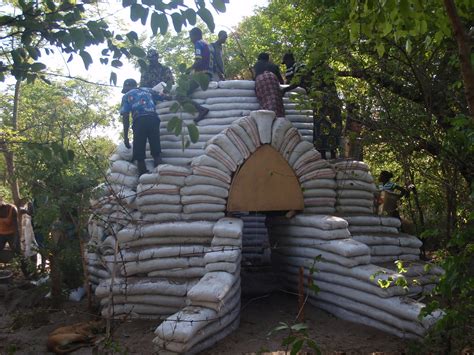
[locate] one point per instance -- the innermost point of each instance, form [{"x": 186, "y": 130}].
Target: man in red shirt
[{"x": 8, "y": 226}]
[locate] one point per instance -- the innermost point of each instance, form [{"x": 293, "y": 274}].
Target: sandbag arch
[{"x": 228, "y": 151}]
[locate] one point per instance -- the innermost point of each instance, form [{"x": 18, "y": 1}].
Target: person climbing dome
[
  {"x": 264, "y": 59},
  {"x": 295, "y": 75},
  {"x": 218, "y": 72},
  {"x": 267, "y": 89},
  {"x": 388, "y": 197},
  {"x": 140, "y": 102},
  {"x": 155, "y": 72},
  {"x": 203, "y": 63}
]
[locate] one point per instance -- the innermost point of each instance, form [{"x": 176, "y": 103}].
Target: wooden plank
[{"x": 265, "y": 182}]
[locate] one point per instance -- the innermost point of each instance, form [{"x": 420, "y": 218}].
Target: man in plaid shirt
[{"x": 267, "y": 89}]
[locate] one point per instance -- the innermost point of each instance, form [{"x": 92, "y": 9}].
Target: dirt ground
[{"x": 25, "y": 330}]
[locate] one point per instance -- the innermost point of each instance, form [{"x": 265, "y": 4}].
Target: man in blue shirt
[{"x": 140, "y": 102}]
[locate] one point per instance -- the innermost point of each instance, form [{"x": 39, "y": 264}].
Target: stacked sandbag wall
[
  {"x": 355, "y": 188},
  {"x": 227, "y": 102},
  {"x": 213, "y": 304},
  {"x": 348, "y": 284},
  {"x": 383, "y": 237}
]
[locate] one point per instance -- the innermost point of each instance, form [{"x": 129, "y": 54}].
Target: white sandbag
[
  {"x": 161, "y": 217},
  {"x": 203, "y": 207},
  {"x": 223, "y": 122},
  {"x": 351, "y": 165},
  {"x": 319, "y": 192},
  {"x": 206, "y": 160},
  {"x": 138, "y": 309},
  {"x": 231, "y": 242},
  {"x": 312, "y": 166},
  {"x": 157, "y": 300},
  {"x": 356, "y": 185},
  {"x": 225, "y": 254},
  {"x": 181, "y": 229},
  {"x": 290, "y": 140},
  {"x": 235, "y": 139},
  {"x": 320, "y": 184},
  {"x": 158, "y": 199},
  {"x": 249, "y": 125},
  {"x": 209, "y": 190},
  {"x": 325, "y": 255},
  {"x": 180, "y": 153},
  {"x": 222, "y": 100},
  {"x": 236, "y": 132},
  {"x": 264, "y": 120},
  {"x": 374, "y": 221},
  {"x": 292, "y": 231},
  {"x": 382, "y": 250},
  {"x": 202, "y": 216},
  {"x": 223, "y": 142},
  {"x": 154, "y": 241},
  {"x": 355, "y": 175},
  {"x": 124, "y": 167},
  {"x": 321, "y": 222},
  {"x": 186, "y": 273},
  {"x": 356, "y": 202},
  {"x": 354, "y": 210},
  {"x": 406, "y": 241},
  {"x": 149, "y": 179},
  {"x": 161, "y": 208},
  {"x": 124, "y": 152},
  {"x": 372, "y": 229},
  {"x": 223, "y": 266},
  {"x": 279, "y": 129},
  {"x": 351, "y": 193},
  {"x": 325, "y": 173},
  {"x": 228, "y": 228},
  {"x": 213, "y": 287},
  {"x": 193, "y": 199},
  {"x": 192, "y": 180},
  {"x": 343, "y": 247},
  {"x": 145, "y": 266},
  {"x": 163, "y": 252},
  {"x": 143, "y": 286},
  {"x": 121, "y": 179},
  {"x": 237, "y": 84},
  {"x": 319, "y": 201},
  {"x": 306, "y": 158},
  {"x": 222, "y": 107},
  {"x": 301, "y": 148},
  {"x": 212, "y": 172},
  {"x": 162, "y": 189},
  {"x": 220, "y": 155},
  {"x": 223, "y": 93}
]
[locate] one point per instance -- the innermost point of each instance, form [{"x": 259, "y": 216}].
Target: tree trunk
[
  {"x": 9, "y": 156},
  {"x": 464, "y": 47}
]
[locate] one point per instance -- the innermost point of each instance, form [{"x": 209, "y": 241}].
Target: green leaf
[
  {"x": 299, "y": 327},
  {"x": 154, "y": 23},
  {"x": 37, "y": 67},
  {"x": 127, "y": 3},
  {"x": 86, "y": 58},
  {"x": 206, "y": 16},
  {"x": 219, "y": 5},
  {"x": 193, "y": 132},
  {"x": 132, "y": 36},
  {"x": 137, "y": 52},
  {"x": 116, "y": 63},
  {"x": 144, "y": 16},
  {"x": 136, "y": 12},
  {"x": 408, "y": 46},
  {"x": 190, "y": 15},
  {"x": 173, "y": 124},
  {"x": 174, "y": 107},
  {"x": 177, "y": 21},
  {"x": 288, "y": 340},
  {"x": 380, "y": 49},
  {"x": 202, "y": 79},
  {"x": 113, "y": 78},
  {"x": 297, "y": 345},
  {"x": 33, "y": 52},
  {"x": 162, "y": 22}
]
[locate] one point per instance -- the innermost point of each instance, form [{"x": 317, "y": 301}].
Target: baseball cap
[{"x": 129, "y": 84}]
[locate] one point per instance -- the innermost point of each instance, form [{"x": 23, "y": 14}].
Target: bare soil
[{"x": 24, "y": 330}]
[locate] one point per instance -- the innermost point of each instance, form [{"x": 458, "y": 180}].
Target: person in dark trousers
[
  {"x": 140, "y": 102},
  {"x": 267, "y": 89},
  {"x": 264, "y": 58},
  {"x": 203, "y": 63},
  {"x": 218, "y": 69},
  {"x": 327, "y": 116},
  {"x": 155, "y": 72}
]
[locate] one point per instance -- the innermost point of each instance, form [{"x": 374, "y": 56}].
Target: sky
[{"x": 236, "y": 11}]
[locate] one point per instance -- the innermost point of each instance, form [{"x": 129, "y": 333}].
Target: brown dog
[{"x": 66, "y": 339}]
